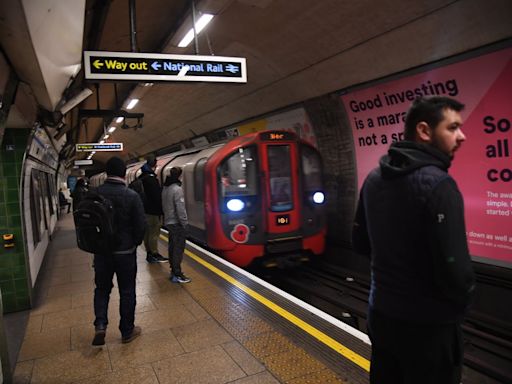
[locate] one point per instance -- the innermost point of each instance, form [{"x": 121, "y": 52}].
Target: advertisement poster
[{"x": 482, "y": 167}]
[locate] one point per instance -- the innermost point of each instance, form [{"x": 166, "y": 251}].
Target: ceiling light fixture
[
  {"x": 200, "y": 24},
  {"x": 119, "y": 119},
  {"x": 132, "y": 103},
  {"x": 111, "y": 129}
]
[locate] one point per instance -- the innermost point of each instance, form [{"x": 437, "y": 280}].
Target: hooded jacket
[
  {"x": 152, "y": 190},
  {"x": 173, "y": 203},
  {"x": 128, "y": 214},
  {"x": 410, "y": 219}
]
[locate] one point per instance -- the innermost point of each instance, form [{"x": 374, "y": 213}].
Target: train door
[{"x": 279, "y": 162}]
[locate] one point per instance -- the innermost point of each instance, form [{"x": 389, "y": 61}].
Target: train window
[
  {"x": 311, "y": 170},
  {"x": 199, "y": 179},
  {"x": 238, "y": 173},
  {"x": 280, "y": 176}
]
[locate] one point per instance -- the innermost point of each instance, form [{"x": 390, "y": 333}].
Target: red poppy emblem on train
[{"x": 240, "y": 233}]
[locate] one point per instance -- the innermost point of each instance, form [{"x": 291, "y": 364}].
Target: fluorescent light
[
  {"x": 106, "y": 136},
  {"x": 112, "y": 129},
  {"x": 183, "y": 71},
  {"x": 119, "y": 119},
  {"x": 102, "y": 141},
  {"x": 200, "y": 24},
  {"x": 132, "y": 103}
]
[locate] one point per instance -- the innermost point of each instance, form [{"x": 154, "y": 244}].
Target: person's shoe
[
  {"x": 182, "y": 279},
  {"x": 150, "y": 258},
  {"x": 159, "y": 258},
  {"x": 99, "y": 337},
  {"x": 135, "y": 333}
]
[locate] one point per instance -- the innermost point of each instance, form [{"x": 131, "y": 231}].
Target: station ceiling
[{"x": 295, "y": 50}]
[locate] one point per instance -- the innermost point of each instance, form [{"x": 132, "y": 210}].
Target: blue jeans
[{"x": 125, "y": 268}]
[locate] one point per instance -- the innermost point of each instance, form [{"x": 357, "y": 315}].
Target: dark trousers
[
  {"x": 406, "y": 353},
  {"x": 177, "y": 238},
  {"x": 125, "y": 268}
]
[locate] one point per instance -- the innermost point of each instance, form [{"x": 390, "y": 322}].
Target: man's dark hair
[
  {"x": 176, "y": 172},
  {"x": 429, "y": 110},
  {"x": 151, "y": 160},
  {"x": 115, "y": 167}
]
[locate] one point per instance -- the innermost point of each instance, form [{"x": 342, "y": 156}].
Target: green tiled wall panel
[
  {"x": 13, "y": 267},
  {"x": 14, "y": 221},
  {"x": 6, "y": 274},
  {"x": 10, "y": 183}
]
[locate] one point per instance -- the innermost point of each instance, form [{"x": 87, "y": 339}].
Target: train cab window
[
  {"x": 199, "y": 179},
  {"x": 238, "y": 174},
  {"x": 279, "y": 168},
  {"x": 311, "y": 170}
]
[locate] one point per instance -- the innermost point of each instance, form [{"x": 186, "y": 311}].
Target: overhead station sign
[
  {"x": 83, "y": 162},
  {"x": 136, "y": 66},
  {"x": 97, "y": 147}
]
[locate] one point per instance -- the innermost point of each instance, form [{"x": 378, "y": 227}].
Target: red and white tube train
[{"x": 255, "y": 197}]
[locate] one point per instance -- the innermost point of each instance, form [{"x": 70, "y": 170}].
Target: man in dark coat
[
  {"x": 130, "y": 225},
  {"x": 410, "y": 219},
  {"x": 153, "y": 210}
]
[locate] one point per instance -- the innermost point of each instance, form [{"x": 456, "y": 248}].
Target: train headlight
[
  {"x": 235, "y": 205},
  {"x": 318, "y": 197}
]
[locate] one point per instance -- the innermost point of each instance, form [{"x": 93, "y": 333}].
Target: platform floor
[{"x": 207, "y": 331}]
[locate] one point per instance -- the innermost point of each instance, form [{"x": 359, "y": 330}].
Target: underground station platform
[{"x": 225, "y": 326}]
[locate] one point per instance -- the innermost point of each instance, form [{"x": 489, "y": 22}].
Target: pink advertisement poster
[{"x": 482, "y": 167}]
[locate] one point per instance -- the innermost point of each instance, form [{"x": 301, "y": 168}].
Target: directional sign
[
  {"x": 162, "y": 67},
  {"x": 105, "y": 147},
  {"x": 83, "y": 162}
]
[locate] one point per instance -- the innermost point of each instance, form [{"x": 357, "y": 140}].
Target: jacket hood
[
  {"x": 405, "y": 156},
  {"x": 171, "y": 180},
  {"x": 146, "y": 169}
]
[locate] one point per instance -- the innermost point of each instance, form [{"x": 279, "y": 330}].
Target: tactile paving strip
[{"x": 286, "y": 360}]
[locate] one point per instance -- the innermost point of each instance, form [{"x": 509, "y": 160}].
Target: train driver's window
[
  {"x": 237, "y": 174},
  {"x": 280, "y": 178},
  {"x": 311, "y": 169}
]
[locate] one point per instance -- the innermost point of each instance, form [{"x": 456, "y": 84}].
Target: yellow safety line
[{"x": 319, "y": 335}]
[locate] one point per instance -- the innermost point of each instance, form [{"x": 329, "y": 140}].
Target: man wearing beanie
[
  {"x": 153, "y": 210},
  {"x": 129, "y": 224}
]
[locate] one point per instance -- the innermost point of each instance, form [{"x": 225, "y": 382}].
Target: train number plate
[{"x": 283, "y": 220}]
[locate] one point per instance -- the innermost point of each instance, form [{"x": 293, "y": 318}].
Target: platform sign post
[{"x": 136, "y": 66}]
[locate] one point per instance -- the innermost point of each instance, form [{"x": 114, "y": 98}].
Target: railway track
[{"x": 344, "y": 294}]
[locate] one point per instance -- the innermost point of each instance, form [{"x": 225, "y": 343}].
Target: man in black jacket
[
  {"x": 410, "y": 219},
  {"x": 130, "y": 224},
  {"x": 153, "y": 210}
]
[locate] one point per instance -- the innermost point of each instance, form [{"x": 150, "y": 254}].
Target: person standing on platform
[
  {"x": 152, "y": 209},
  {"x": 81, "y": 188},
  {"x": 63, "y": 202},
  {"x": 410, "y": 220},
  {"x": 176, "y": 221},
  {"x": 129, "y": 224}
]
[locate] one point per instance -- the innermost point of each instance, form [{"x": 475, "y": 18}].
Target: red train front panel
[{"x": 253, "y": 198}]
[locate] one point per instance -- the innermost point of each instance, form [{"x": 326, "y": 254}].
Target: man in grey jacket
[{"x": 176, "y": 222}]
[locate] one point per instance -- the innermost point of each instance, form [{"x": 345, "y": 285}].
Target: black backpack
[
  {"x": 138, "y": 186},
  {"x": 94, "y": 224}
]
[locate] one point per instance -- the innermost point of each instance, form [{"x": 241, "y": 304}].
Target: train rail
[{"x": 344, "y": 294}]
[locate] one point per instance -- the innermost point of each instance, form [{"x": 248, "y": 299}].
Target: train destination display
[
  {"x": 482, "y": 166},
  {"x": 163, "y": 67}
]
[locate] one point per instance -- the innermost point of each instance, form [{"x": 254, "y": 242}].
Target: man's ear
[{"x": 423, "y": 132}]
